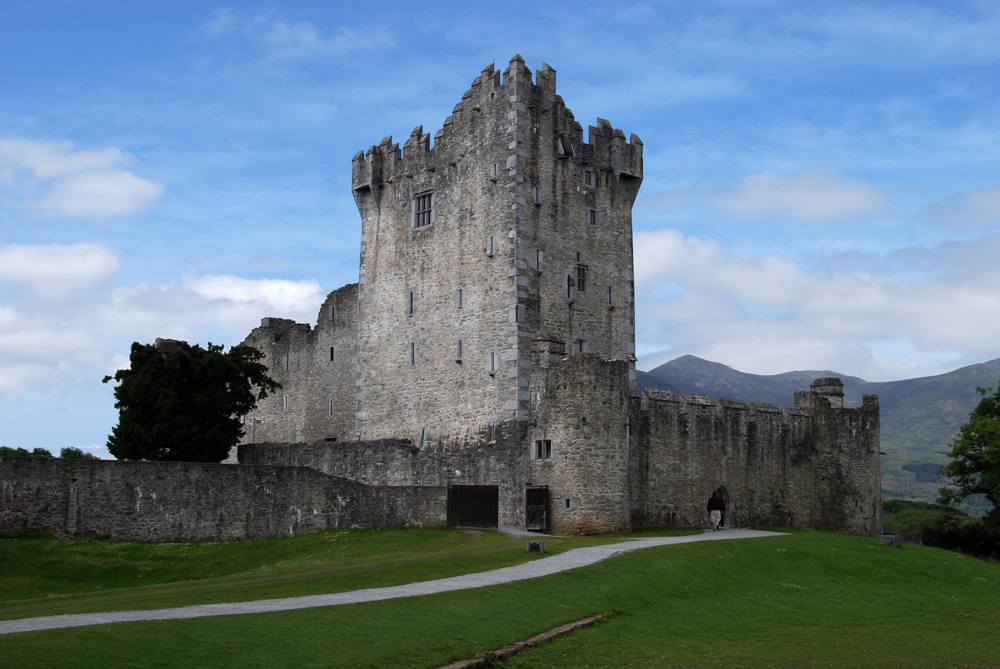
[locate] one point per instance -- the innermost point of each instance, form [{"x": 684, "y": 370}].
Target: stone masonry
[{"x": 490, "y": 340}]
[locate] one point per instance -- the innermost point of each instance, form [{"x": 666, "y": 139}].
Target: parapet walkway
[{"x": 571, "y": 559}]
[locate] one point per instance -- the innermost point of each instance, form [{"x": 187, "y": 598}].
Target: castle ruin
[{"x": 489, "y": 346}]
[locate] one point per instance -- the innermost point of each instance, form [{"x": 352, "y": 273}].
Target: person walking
[{"x": 715, "y": 508}]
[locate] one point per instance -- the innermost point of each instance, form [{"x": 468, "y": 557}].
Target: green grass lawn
[
  {"x": 806, "y": 599},
  {"x": 45, "y": 576}
]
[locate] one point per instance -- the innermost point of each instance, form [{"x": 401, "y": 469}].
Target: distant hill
[{"x": 920, "y": 416}]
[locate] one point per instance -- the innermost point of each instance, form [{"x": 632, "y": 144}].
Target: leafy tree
[
  {"x": 975, "y": 457},
  {"x": 74, "y": 453},
  {"x": 184, "y": 403}
]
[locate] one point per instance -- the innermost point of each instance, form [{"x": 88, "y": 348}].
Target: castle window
[
  {"x": 541, "y": 449},
  {"x": 492, "y": 362},
  {"x": 539, "y": 259},
  {"x": 494, "y": 169},
  {"x": 519, "y": 313},
  {"x": 331, "y": 407},
  {"x": 611, "y": 297},
  {"x": 581, "y": 278},
  {"x": 285, "y": 362},
  {"x": 423, "y": 210},
  {"x": 459, "y": 351},
  {"x": 333, "y": 354},
  {"x": 569, "y": 287},
  {"x": 284, "y": 403},
  {"x": 566, "y": 146},
  {"x": 460, "y": 298},
  {"x": 589, "y": 178},
  {"x": 412, "y": 354},
  {"x": 536, "y": 194},
  {"x": 592, "y": 216},
  {"x": 411, "y": 301},
  {"x": 491, "y": 245},
  {"x": 580, "y": 346},
  {"x": 422, "y": 439},
  {"x": 333, "y": 313}
]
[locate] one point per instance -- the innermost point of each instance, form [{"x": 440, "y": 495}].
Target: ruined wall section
[
  {"x": 185, "y": 501},
  {"x": 683, "y": 448},
  {"x": 578, "y": 439},
  {"x": 848, "y": 469},
  {"x": 808, "y": 465},
  {"x": 316, "y": 368},
  {"x": 500, "y": 461}
]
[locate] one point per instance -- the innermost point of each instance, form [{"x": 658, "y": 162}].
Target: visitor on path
[
  {"x": 725, "y": 506},
  {"x": 715, "y": 509}
]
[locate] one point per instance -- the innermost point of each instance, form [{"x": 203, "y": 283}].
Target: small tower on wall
[{"x": 507, "y": 225}]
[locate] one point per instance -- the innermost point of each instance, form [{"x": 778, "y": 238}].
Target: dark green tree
[
  {"x": 975, "y": 457},
  {"x": 185, "y": 403}
]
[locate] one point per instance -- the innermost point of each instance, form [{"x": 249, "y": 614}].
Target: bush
[
  {"x": 74, "y": 453},
  {"x": 24, "y": 453},
  {"x": 970, "y": 537}
]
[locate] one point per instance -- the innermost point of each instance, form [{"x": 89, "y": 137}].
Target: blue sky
[{"x": 822, "y": 180}]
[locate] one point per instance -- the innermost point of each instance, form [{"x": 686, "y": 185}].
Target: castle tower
[{"x": 508, "y": 225}]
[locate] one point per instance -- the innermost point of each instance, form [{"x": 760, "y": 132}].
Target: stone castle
[{"x": 489, "y": 346}]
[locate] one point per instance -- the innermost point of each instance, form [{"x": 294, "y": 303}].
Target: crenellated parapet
[{"x": 501, "y": 99}]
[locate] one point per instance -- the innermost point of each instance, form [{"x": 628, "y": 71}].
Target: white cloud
[
  {"x": 767, "y": 314},
  {"x": 808, "y": 196},
  {"x": 975, "y": 207},
  {"x": 55, "y": 269},
  {"x": 285, "y": 40},
  {"x": 52, "y": 178},
  {"x": 281, "y": 294}
]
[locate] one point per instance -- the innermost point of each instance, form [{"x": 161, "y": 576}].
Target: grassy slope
[
  {"x": 44, "y": 576},
  {"x": 808, "y": 599}
]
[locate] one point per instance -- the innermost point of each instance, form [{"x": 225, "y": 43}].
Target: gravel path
[{"x": 578, "y": 557}]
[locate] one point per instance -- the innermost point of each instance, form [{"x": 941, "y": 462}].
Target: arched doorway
[{"x": 729, "y": 515}]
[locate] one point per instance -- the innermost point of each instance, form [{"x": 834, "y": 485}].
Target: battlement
[{"x": 501, "y": 100}]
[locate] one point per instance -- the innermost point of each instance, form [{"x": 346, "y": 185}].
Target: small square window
[
  {"x": 589, "y": 178},
  {"x": 423, "y": 210},
  {"x": 519, "y": 313},
  {"x": 492, "y": 362},
  {"x": 333, "y": 354},
  {"x": 494, "y": 170},
  {"x": 611, "y": 297},
  {"x": 541, "y": 449},
  {"x": 491, "y": 245},
  {"x": 581, "y": 278},
  {"x": 536, "y": 194},
  {"x": 592, "y": 217}
]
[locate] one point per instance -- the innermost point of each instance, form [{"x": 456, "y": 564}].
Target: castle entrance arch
[
  {"x": 729, "y": 515},
  {"x": 474, "y": 506}
]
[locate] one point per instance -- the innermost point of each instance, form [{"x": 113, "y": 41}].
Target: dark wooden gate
[
  {"x": 475, "y": 506},
  {"x": 536, "y": 499}
]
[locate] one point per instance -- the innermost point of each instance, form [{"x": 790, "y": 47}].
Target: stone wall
[
  {"x": 500, "y": 461},
  {"x": 316, "y": 369},
  {"x": 810, "y": 465},
  {"x": 183, "y": 501}
]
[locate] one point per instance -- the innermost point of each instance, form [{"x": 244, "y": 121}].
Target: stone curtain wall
[
  {"x": 181, "y": 501},
  {"x": 796, "y": 466},
  {"x": 312, "y": 380},
  {"x": 501, "y": 462}
]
